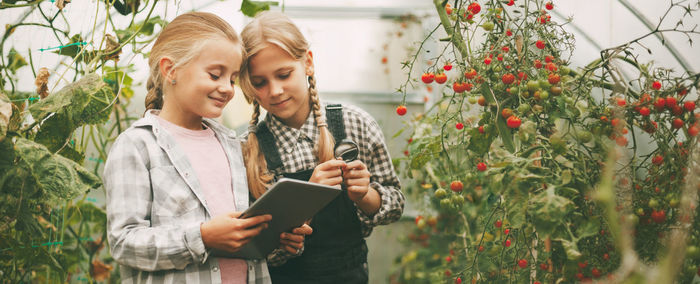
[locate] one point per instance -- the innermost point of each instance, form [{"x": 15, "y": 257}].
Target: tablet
[{"x": 290, "y": 202}]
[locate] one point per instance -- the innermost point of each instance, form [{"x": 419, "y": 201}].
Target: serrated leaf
[
  {"x": 87, "y": 101},
  {"x": 57, "y": 177},
  {"x": 252, "y": 8}
]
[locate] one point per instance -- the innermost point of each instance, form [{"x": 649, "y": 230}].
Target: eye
[
  {"x": 258, "y": 84},
  {"x": 284, "y": 75},
  {"x": 213, "y": 77}
]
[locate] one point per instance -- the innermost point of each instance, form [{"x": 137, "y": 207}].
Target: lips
[
  {"x": 219, "y": 100},
  {"x": 280, "y": 103}
]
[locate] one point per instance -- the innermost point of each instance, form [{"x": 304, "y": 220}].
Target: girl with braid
[
  {"x": 175, "y": 180},
  {"x": 296, "y": 140}
]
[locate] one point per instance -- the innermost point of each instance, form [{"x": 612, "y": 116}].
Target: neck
[
  {"x": 180, "y": 118},
  {"x": 298, "y": 119}
]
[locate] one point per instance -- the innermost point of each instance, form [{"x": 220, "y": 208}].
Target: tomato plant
[{"x": 555, "y": 169}]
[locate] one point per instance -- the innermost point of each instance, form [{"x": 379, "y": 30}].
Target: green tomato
[
  {"x": 640, "y": 211},
  {"x": 458, "y": 200},
  {"x": 585, "y": 136},
  {"x": 488, "y": 26},
  {"x": 544, "y": 84},
  {"x": 523, "y": 108},
  {"x": 693, "y": 252},
  {"x": 544, "y": 95},
  {"x": 440, "y": 193},
  {"x": 532, "y": 85},
  {"x": 445, "y": 203},
  {"x": 653, "y": 203},
  {"x": 472, "y": 99}
]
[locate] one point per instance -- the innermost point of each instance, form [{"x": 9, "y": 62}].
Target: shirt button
[
  {"x": 215, "y": 268},
  {"x": 187, "y": 174}
]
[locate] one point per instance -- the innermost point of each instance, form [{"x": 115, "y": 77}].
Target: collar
[
  {"x": 150, "y": 119},
  {"x": 284, "y": 132}
]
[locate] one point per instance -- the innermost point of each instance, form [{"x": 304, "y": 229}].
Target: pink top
[{"x": 211, "y": 165}]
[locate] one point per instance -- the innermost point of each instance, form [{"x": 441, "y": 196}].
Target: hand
[
  {"x": 229, "y": 233},
  {"x": 294, "y": 241},
  {"x": 356, "y": 178},
  {"x": 328, "y": 173}
]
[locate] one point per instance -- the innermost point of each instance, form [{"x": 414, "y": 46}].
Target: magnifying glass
[{"x": 347, "y": 150}]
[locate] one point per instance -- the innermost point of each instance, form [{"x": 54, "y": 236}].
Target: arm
[
  {"x": 132, "y": 240},
  {"x": 384, "y": 202}
]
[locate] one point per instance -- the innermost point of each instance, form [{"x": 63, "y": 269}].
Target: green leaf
[
  {"x": 588, "y": 229},
  {"x": 548, "y": 211},
  {"x": 147, "y": 27},
  {"x": 74, "y": 47},
  {"x": 87, "y": 101},
  {"x": 57, "y": 177},
  {"x": 252, "y": 8},
  {"x": 572, "y": 251},
  {"x": 15, "y": 61}
]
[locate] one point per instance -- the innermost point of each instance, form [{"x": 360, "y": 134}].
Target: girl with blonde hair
[
  {"x": 296, "y": 140},
  {"x": 175, "y": 179}
]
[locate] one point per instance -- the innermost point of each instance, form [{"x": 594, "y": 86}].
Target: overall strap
[
  {"x": 334, "y": 117},
  {"x": 268, "y": 147}
]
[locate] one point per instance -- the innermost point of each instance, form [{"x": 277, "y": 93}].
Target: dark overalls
[{"x": 336, "y": 252}]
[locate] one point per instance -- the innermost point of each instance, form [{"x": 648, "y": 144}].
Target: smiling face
[
  {"x": 204, "y": 85},
  {"x": 280, "y": 86}
]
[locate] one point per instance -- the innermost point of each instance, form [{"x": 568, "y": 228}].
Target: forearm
[
  {"x": 157, "y": 248},
  {"x": 370, "y": 203}
]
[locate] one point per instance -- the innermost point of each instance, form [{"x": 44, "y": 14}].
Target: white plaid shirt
[
  {"x": 155, "y": 207},
  {"x": 297, "y": 154}
]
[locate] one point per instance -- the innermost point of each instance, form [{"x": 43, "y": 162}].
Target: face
[
  {"x": 280, "y": 84},
  {"x": 205, "y": 84}
]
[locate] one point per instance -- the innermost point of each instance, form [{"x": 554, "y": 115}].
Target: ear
[
  {"x": 166, "y": 67},
  {"x": 309, "y": 63}
]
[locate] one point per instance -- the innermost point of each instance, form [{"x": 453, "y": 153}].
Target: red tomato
[
  {"x": 427, "y": 77},
  {"x": 644, "y": 111},
  {"x": 481, "y": 166},
  {"x": 656, "y": 85},
  {"x": 447, "y": 67},
  {"x": 459, "y": 126},
  {"x": 553, "y": 78},
  {"x": 522, "y": 263},
  {"x": 549, "y": 6},
  {"x": 508, "y": 78},
  {"x": 513, "y": 122},
  {"x": 401, "y": 110},
  {"x": 657, "y": 160},
  {"x": 689, "y": 105},
  {"x": 440, "y": 78},
  {"x": 540, "y": 44},
  {"x": 677, "y": 123}
]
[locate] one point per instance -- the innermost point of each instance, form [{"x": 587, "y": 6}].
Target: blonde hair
[
  {"x": 182, "y": 40},
  {"x": 274, "y": 28}
]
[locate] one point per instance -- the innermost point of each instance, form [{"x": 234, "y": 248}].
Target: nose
[
  {"x": 227, "y": 89},
  {"x": 275, "y": 87}
]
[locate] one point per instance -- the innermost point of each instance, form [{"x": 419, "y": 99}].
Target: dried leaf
[
  {"x": 41, "y": 82},
  {"x": 62, "y": 4},
  {"x": 5, "y": 114},
  {"x": 519, "y": 45},
  {"x": 100, "y": 271},
  {"x": 112, "y": 48}
]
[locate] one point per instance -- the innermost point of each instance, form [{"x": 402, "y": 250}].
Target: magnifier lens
[{"x": 347, "y": 150}]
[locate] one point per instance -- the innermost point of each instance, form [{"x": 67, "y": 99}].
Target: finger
[
  {"x": 254, "y": 221},
  {"x": 294, "y": 245},
  {"x": 356, "y": 165},
  {"x": 236, "y": 214},
  {"x": 364, "y": 182},
  {"x": 291, "y": 250},
  {"x": 332, "y": 181},
  {"x": 292, "y": 237},
  {"x": 355, "y": 174},
  {"x": 331, "y": 164},
  {"x": 303, "y": 230},
  {"x": 252, "y": 232}
]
